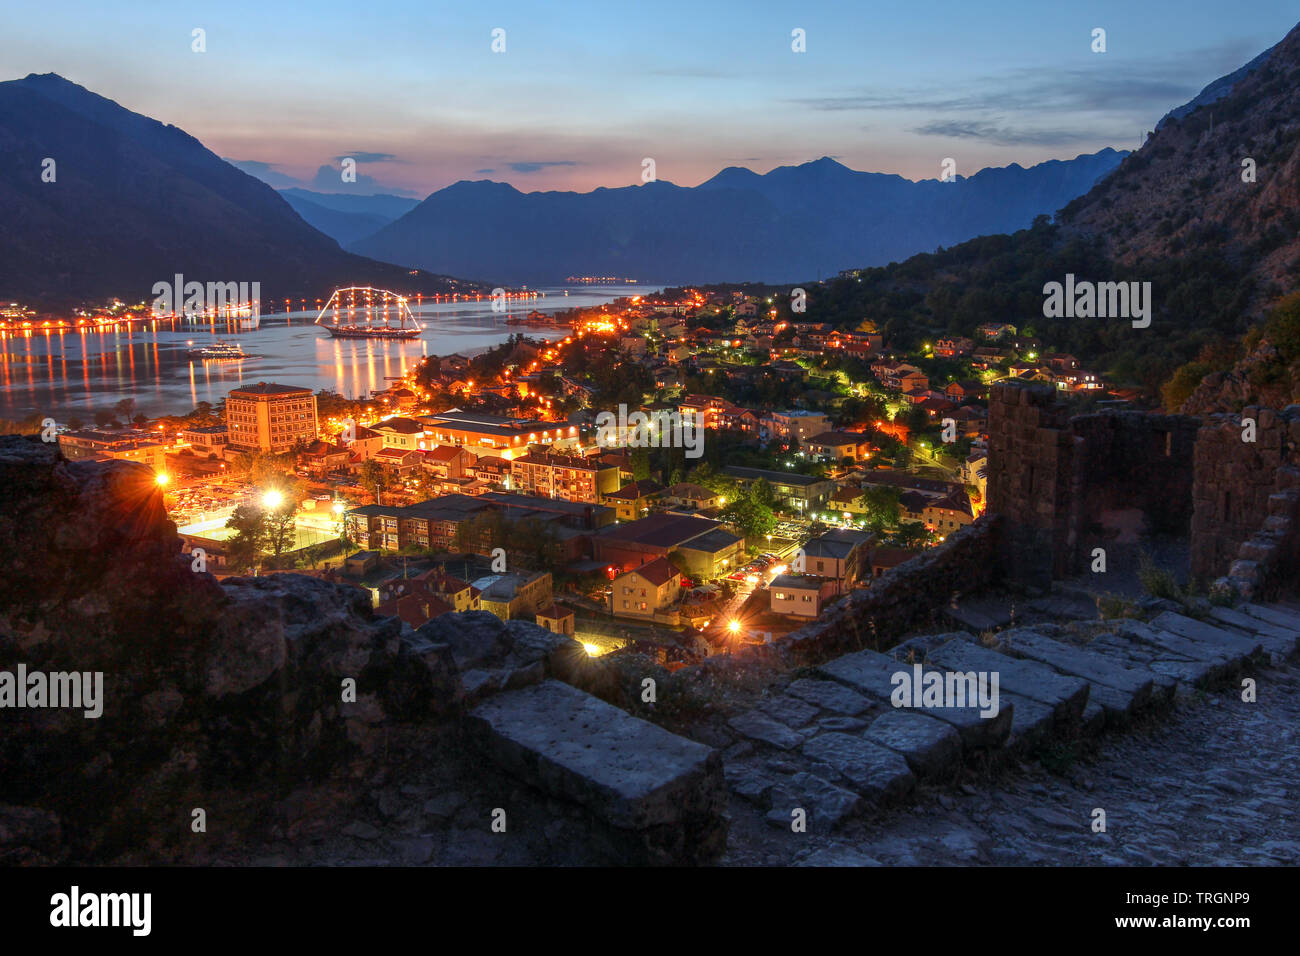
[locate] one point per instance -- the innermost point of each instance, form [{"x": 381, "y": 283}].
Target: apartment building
[
  {"x": 92, "y": 445},
  {"x": 568, "y": 477},
  {"x": 270, "y": 418}
]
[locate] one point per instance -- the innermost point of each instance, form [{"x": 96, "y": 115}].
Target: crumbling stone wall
[
  {"x": 901, "y": 599},
  {"x": 1059, "y": 482},
  {"x": 1247, "y": 498}
]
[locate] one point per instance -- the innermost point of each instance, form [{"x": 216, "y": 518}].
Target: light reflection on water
[{"x": 76, "y": 372}]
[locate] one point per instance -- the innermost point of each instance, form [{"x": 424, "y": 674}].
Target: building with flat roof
[
  {"x": 270, "y": 418},
  {"x": 707, "y": 548},
  {"x": 802, "y": 493},
  {"x": 93, "y": 445},
  {"x": 840, "y": 554},
  {"x": 495, "y": 435},
  {"x": 800, "y": 595},
  {"x": 796, "y": 426},
  {"x": 570, "y": 477}
]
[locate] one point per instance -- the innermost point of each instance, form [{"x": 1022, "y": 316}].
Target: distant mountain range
[
  {"x": 133, "y": 202},
  {"x": 791, "y": 223},
  {"x": 346, "y": 218}
]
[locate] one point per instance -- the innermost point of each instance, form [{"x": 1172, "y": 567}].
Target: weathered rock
[
  {"x": 665, "y": 792},
  {"x": 790, "y": 711},
  {"x": 931, "y": 747},
  {"x": 1200, "y": 632},
  {"x": 830, "y": 696},
  {"x": 1066, "y": 695},
  {"x": 758, "y": 726},
  {"x": 872, "y": 674},
  {"x": 875, "y": 772},
  {"x": 1117, "y": 688},
  {"x": 826, "y": 805}
]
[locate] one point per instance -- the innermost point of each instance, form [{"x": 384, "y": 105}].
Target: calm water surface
[{"x": 74, "y": 373}]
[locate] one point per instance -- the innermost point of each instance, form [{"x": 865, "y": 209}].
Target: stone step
[
  {"x": 1117, "y": 688},
  {"x": 872, "y": 674},
  {"x": 1127, "y": 652},
  {"x": 1276, "y": 639},
  {"x": 763, "y": 728},
  {"x": 1174, "y": 647},
  {"x": 1201, "y": 632},
  {"x": 1032, "y": 721},
  {"x": 875, "y": 772},
  {"x": 1066, "y": 695},
  {"x": 1175, "y": 659},
  {"x": 1284, "y": 618},
  {"x": 830, "y": 696},
  {"x": 931, "y": 747},
  {"x": 665, "y": 791},
  {"x": 1094, "y": 718},
  {"x": 825, "y": 805}
]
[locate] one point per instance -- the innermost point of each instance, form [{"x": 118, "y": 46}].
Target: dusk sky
[{"x": 585, "y": 90}]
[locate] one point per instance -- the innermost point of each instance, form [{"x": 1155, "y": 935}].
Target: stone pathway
[
  {"x": 1190, "y": 776},
  {"x": 1145, "y": 722}
]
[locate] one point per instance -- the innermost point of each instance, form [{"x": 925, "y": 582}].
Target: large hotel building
[{"x": 272, "y": 418}]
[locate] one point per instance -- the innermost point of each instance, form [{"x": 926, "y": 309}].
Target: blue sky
[{"x": 584, "y": 91}]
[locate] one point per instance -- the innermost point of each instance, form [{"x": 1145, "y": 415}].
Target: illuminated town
[{"x": 647, "y": 438}]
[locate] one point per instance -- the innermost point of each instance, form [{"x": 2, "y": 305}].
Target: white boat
[{"x": 218, "y": 351}]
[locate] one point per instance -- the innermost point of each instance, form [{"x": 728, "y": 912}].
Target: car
[{"x": 737, "y": 575}]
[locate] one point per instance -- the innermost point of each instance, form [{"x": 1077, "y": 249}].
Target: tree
[
  {"x": 760, "y": 492},
  {"x": 1180, "y": 386},
  {"x": 910, "y": 534},
  {"x": 881, "y": 505},
  {"x": 1283, "y": 328},
  {"x": 279, "y": 524},
  {"x": 245, "y": 548},
  {"x": 749, "y": 518},
  {"x": 374, "y": 478},
  {"x": 125, "y": 408},
  {"x": 640, "y": 464}
]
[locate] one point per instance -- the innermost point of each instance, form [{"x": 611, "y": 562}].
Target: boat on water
[
  {"x": 364, "y": 313},
  {"x": 218, "y": 351}
]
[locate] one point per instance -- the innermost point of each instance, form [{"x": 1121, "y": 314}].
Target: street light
[
  {"x": 162, "y": 478},
  {"x": 273, "y": 499},
  {"x": 733, "y": 626}
]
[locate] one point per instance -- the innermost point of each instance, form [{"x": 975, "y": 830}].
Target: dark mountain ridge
[
  {"x": 135, "y": 201},
  {"x": 787, "y": 224}
]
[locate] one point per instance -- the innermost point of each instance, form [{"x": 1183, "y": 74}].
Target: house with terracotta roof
[
  {"x": 645, "y": 591},
  {"x": 949, "y": 513},
  {"x": 447, "y": 461},
  {"x": 686, "y": 494},
  {"x": 965, "y": 390},
  {"x": 634, "y": 499},
  {"x": 416, "y": 607},
  {"x": 557, "y": 619},
  {"x": 837, "y": 445},
  {"x": 884, "y": 558}
]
